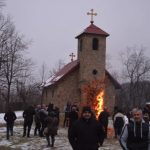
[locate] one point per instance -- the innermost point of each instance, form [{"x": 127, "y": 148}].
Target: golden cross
[
  {"x": 92, "y": 14},
  {"x": 72, "y": 55}
]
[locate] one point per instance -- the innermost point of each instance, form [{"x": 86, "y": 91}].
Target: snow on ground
[
  {"x": 17, "y": 142},
  {"x": 18, "y": 114}
]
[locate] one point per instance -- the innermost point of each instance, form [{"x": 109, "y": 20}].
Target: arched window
[
  {"x": 95, "y": 44},
  {"x": 80, "y": 44}
]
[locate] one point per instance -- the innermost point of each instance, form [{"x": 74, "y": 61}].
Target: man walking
[
  {"x": 86, "y": 133},
  {"x": 136, "y": 134},
  {"x": 10, "y": 117}
]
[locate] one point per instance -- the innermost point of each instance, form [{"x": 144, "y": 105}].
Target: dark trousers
[
  {"x": 66, "y": 122},
  {"x": 118, "y": 130},
  {"x": 105, "y": 129},
  {"x": 37, "y": 128},
  {"x": 9, "y": 128},
  {"x": 27, "y": 125},
  {"x": 43, "y": 126},
  {"x": 52, "y": 140}
]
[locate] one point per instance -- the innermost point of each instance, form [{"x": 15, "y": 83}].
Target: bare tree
[
  {"x": 28, "y": 90},
  {"x": 43, "y": 73},
  {"x": 108, "y": 62},
  {"x": 6, "y": 31},
  {"x": 136, "y": 68},
  {"x": 59, "y": 65},
  {"x": 13, "y": 48}
]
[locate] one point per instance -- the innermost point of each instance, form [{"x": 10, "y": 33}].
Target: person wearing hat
[{"x": 86, "y": 133}]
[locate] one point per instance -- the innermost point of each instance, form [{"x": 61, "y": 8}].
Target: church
[{"x": 81, "y": 80}]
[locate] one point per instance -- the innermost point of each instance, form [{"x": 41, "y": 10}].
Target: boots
[
  {"x": 24, "y": 133},
  {"x": 48, "y": 141},
  {"x": 28, "y": 134},
  {"x": 53, "y": 140}
]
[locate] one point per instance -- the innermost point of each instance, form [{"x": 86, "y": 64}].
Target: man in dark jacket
[
  {"x": 28, "y": 120},
  {"x": 103, "y": 119},
  {"x": 136, "y": 134},
  {"x": 10, "y": 117},
  {"x": 86, "y": 133}
]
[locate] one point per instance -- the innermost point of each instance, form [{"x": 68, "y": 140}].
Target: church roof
[
  {"x": 93, "y": 29},
  {"x": 69, "y": 68},
  {"x": 60, "y": 74}
]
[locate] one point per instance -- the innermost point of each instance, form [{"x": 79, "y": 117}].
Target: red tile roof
[
  {"x": 60, "y": 74},
  {"x": 92, "y": 29},
  {"x": 69, "y": 68}
]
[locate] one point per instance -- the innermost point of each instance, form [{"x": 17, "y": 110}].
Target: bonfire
[{"x": 93, "y": 95}]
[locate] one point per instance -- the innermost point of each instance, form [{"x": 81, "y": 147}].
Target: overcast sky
[{"x": 53, "y": 24}]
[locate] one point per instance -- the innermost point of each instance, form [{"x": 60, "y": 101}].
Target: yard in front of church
[{"x": 17, "y": 142}]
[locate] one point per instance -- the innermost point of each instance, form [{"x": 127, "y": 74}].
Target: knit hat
[{"x": 86, "y": 109}]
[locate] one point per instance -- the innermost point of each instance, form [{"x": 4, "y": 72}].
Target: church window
[
  {"x": 94, "y": 72},
  {"x": 80, "y": 44},
  {"x": 95, "y": 44}
]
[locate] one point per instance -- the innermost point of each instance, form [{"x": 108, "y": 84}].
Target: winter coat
[
  {"x": 135, "y": 136},
  {"x": 52, "y": 125},
  {"x": 10, "y": 117},
  {"x": 103, "y": 118},
  {"x": 28, "y": 115},
  {"x": 86, "y": 134},
  {"x": 119, "y": 120},
  {"x": 43, "y": 114},
  {"x": 73, "y": 116}
]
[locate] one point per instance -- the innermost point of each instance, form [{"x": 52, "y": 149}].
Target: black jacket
[
  {"x": 28, "y": 115},
  {"x": 86, "y": 135},
  {"x": 10, "y": 117},
  {"x": 135, "y": 136}
]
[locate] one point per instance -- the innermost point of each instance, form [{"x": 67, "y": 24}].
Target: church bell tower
[{"x": 92, "y": 53}]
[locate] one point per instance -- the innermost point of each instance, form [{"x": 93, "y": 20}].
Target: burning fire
[
  {"x": 93, "y": 94},
  {"x": 99, "y": 104}
]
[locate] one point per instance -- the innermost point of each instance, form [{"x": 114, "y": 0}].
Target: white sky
[{"x": 53, "y": 24}]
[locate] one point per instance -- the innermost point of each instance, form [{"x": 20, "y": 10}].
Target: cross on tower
[
  {"x": 72, "y": 55},
  {"x": 92, "y": 14}
]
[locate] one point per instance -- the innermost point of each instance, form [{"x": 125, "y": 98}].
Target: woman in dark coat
[{"x": 51, "y": 129}]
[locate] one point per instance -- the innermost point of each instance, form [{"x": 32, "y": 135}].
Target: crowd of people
[{"x": 85, "y": 132}]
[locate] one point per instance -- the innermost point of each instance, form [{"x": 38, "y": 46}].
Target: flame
[{"x": 99, "y": 103}]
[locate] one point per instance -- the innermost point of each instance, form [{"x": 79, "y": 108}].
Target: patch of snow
[
  {"x": 52, "y": 80},
  {"x": 18, "y": 115},
  {"x": 39, "y": 143}
]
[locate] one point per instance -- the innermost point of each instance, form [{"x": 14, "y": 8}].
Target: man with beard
[{"x": 86, "y": 133}]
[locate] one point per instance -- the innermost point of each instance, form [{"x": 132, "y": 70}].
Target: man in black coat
[
  {"x": 136, "y": 134},
  {"x": 28, "y": 120},
  {"x": 103, "y": 119},
  {"x": 86, "y": 133},
  {"x": 10, "y": 117}
]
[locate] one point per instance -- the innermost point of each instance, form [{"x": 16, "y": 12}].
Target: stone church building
[{"x": 66, "y": 85}]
